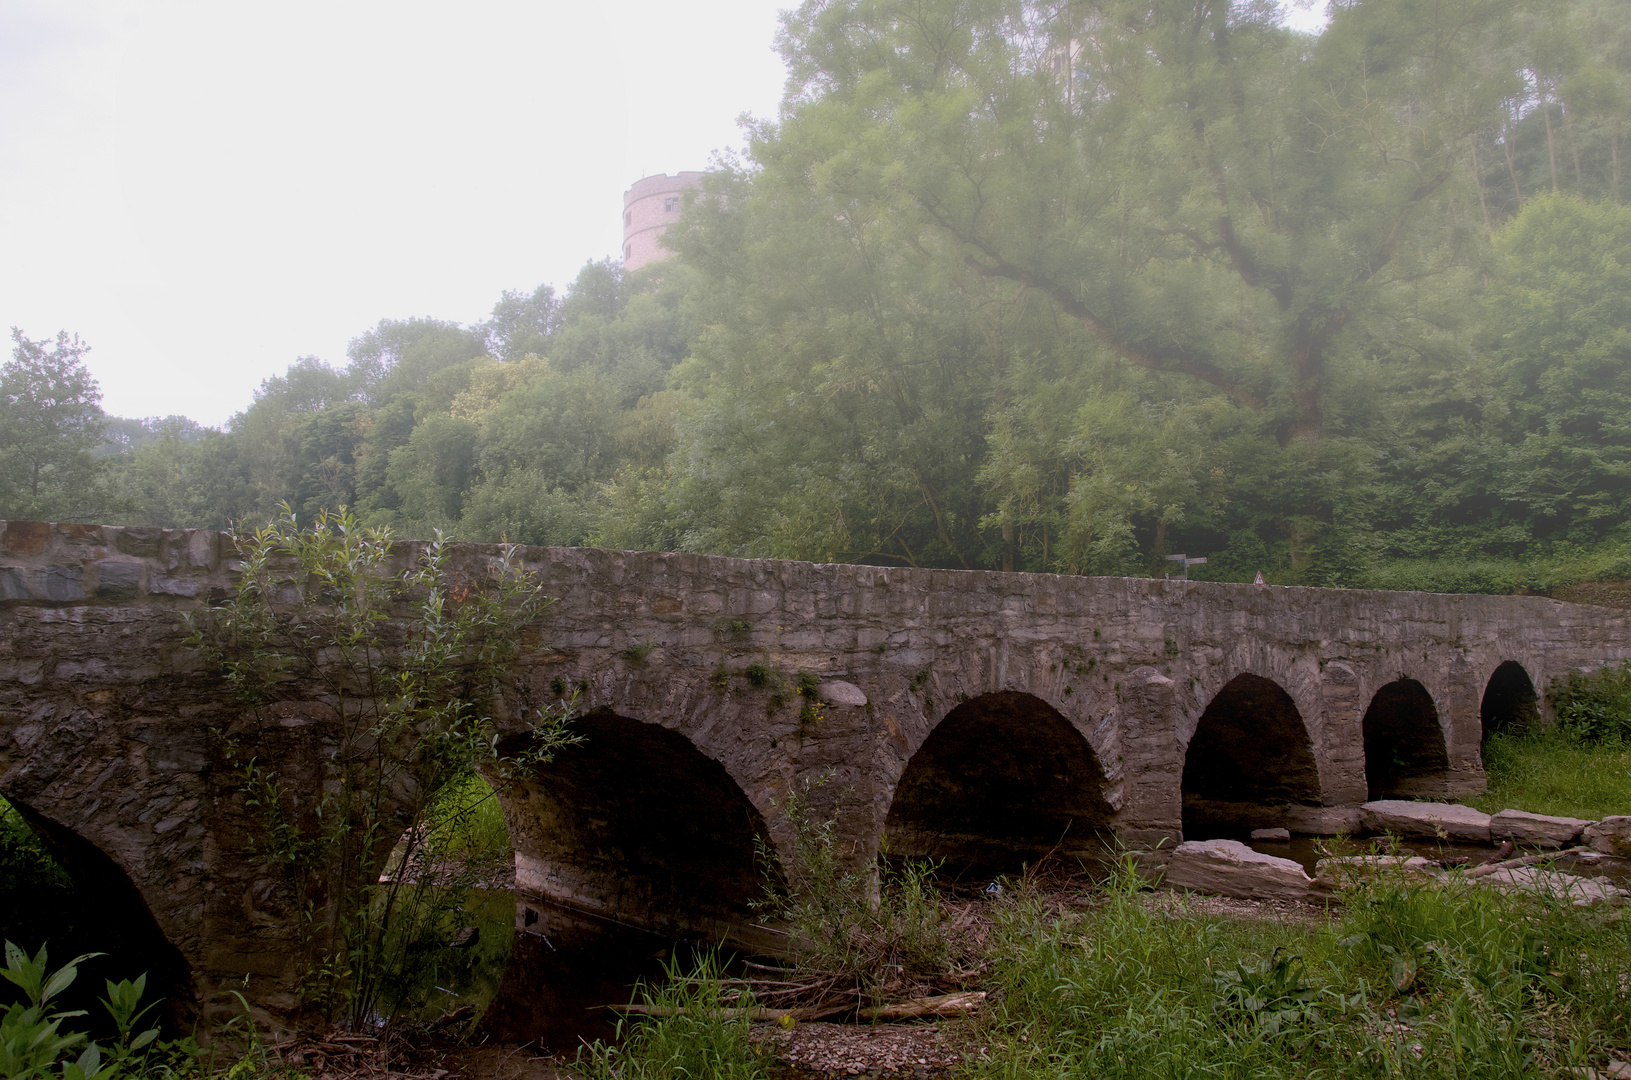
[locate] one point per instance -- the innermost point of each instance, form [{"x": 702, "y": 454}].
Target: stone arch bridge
[{"x": 983, "y": 718}]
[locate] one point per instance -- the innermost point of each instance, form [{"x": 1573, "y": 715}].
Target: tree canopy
[{"x": 1054, "y": 287}]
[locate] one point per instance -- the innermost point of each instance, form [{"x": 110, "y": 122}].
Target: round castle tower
[{"x": 649, "y": 208}]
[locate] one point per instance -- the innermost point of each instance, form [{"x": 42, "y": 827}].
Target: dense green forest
[{"x": 1056, "y": 286}]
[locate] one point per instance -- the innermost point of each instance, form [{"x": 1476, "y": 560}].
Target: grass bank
[{"x": 1552, "y": 773}]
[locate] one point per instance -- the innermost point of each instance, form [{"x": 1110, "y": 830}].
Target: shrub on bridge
[{"x": 405, "y": 667}]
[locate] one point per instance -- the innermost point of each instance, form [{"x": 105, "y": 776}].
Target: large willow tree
[{"x": 1022, "y": 275}]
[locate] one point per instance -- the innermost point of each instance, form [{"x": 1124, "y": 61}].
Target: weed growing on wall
[{"x": 372, "y": 674}]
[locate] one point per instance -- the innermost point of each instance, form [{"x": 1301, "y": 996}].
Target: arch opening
[
  {"x": 1001, "y": 781},
  {"x": 635, "y": 824},
  {"x": 1250, "y": 757},
  {"x": 1510, "y": 705},
  {"x": 62, "y": 891},
  {"x": 1405, "y": 756}
]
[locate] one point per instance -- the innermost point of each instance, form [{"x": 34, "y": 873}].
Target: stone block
[
  {"x": 27, "y": 537},
  {"x": 1323, "y": 820},
  {"x": 1579, "y": 891},
  {"x": 1448, "y": 821},
  {"x": 141, "y": 541},
  {"x": 1611, "y": 836},
  {"x": 118, "y": 582},
  {"x": 1535, "y": 830},
  {"x": 1271, "y": 835},
  {"x": 838, "y": 692},
  {"x": 1230, "y": 868},
  {"x": 173, "y": 587},
  {"x": 58, "y": 584}
]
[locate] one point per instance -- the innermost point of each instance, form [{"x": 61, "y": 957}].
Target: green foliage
[
  {"x": 698, "y": 1033},
  {"x": 1550, "y": 772},
  {"x": 1595, "y": 706},
  {"x": 34, "y": 1045},
  {"x": 408, "y": 667},
  {"x": 51, "y": 423}
]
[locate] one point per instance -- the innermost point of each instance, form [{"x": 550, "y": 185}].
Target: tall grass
[
  {"x": 1552, "y": 773},
  {"x": 1445, "y": 982},
  {"x": 703, "y": 1035}
]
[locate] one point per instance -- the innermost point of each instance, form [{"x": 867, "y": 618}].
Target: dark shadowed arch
[
  {"x": 1510, "y": 703},
  {"x": 1001, "y": 781},
  {"x": 1250, "y": 756},
  {"x": 637, "y": 824},
  {"x": 1405, "y": 756},
  {"x": 103, "y": 912}
]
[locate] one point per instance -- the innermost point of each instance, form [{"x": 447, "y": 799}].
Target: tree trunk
[
  {"x": 1551, "y": 145},
  {"x": 1511, "y": 169},
  {"x": 1478, "y": 181}
]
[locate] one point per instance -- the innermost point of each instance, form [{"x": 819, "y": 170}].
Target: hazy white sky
[{"x": 205, "y": 191}]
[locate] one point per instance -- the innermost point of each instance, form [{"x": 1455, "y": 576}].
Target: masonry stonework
[{"x": 1008, "y": 712}]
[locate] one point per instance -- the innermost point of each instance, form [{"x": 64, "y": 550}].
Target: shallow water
[{"x": 549, "y": 982}]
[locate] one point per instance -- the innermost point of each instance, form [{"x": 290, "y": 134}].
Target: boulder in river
[
  {"x": 1448, "y": 821},
  {"x": 1579, "y": 891},
  {"x": 1230, "y": 868},
  {"x": 1610, "y": 836},
  {"x": 1535, "y": 830}
]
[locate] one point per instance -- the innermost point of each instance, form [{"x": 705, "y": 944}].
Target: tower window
[{"x": 671, "y": 205}]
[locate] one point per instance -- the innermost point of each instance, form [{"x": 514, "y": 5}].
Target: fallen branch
[
  {"x": 915, "y": 1008},
  {"x": 1527, "y": 860}
]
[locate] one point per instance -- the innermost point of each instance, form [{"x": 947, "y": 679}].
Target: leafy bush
[
  {"x": 33, "y": 1043},
  {"x": 1594, "y": 707}
]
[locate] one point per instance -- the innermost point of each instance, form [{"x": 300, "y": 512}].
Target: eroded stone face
[{"x": 1077, "y": 708}]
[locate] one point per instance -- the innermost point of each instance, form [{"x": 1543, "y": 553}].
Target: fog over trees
[{"x": 1061, "y": 286}]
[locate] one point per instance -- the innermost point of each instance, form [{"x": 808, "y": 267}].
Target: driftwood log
[
  {"x": 911, "y": 1009},
  {"x": 1527, "y": 860}
]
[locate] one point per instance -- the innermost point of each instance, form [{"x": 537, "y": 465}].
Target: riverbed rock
[
  {"x": 1346, "y": 871},
  {"x": 1323, "y": 820},
  {"x": 1611, "y": 836},
  {"x": 1447, "y": 821},
  {"x": 1272, "y": 835},
  {"x": 1535, "y": 830},
  {"x": 1579, "y": 891},
  {"x": 1230, "y": 868}
]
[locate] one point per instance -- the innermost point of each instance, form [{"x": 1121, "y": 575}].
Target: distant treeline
[{"x": 1023, "y": 285}]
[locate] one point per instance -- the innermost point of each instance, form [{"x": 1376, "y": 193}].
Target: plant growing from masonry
[{"x": 372, "y": 674}]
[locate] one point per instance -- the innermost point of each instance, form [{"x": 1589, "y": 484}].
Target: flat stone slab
[
  {"x": 1611, "y": 836},
  {"x": 1447, "y": 821},
  {"x": 1271, "y": 835},
  {"x": 1323, "y": 820},
  {"x": 1535, "y": 830},
  {"x": 1230, "y": 868},
  {"x": 1579, "y": 891},
  {"x": 1345, "y": 871}
]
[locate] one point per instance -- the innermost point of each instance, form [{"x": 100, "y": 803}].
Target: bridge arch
[
  {"x": 1002, "y": 780},
  {"x": 636, "y": 823},
  {"x": 1510, "y": 704},
  {"x": 1406, "y": 754},
  {"x": 102, "y": 911},
  {"x": 1250, "y": 756}
]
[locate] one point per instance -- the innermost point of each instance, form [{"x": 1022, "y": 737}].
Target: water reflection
[{"x": 541, "y": 974}]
